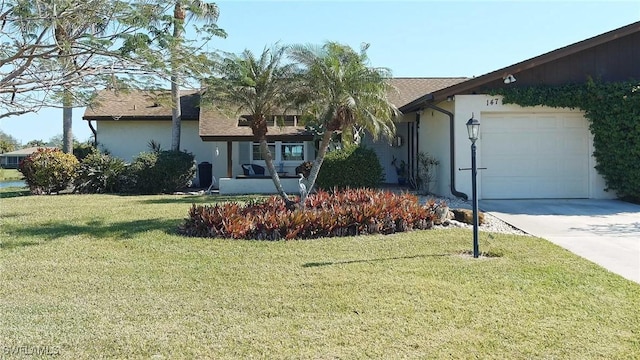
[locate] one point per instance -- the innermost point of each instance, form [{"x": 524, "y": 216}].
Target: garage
[{"x": 534, "y": 155}]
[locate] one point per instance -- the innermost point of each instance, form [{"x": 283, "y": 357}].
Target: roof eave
[
  {"x": 465, "y": 86},
  {"x": 416, "y": 104}
]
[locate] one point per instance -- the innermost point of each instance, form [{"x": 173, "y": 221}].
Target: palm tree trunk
[
  {"x": 176, "y": 115},
  {"x": 268, "y": 159},
  {"x": 317, "y": 163},
  {"x": 67, "y": 122}
]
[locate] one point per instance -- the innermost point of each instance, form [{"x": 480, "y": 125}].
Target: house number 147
[{"x": 495, "y": 101}]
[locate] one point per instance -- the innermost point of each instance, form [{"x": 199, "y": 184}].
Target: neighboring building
[
  {"x": 11, "y": 160},
  {"x": 528, "y": 152}
]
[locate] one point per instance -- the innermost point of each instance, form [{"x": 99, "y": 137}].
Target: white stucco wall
[
  {"x": 463, "y": 108},
  {"x": 434, "y": 140},
  {"x": 126, "y": 139}
]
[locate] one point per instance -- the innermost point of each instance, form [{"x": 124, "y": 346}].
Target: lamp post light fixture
[{"x": 473, "y": 128}]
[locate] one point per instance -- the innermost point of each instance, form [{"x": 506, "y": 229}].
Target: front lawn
[{"x": 104, "y": 276}]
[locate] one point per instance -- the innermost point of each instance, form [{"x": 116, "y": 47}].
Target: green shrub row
[
  {"x": 49, "y": 171},
  {"x": 348, "y": 212}
]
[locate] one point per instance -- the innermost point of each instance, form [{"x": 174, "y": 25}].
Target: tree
[
  {"x": 8, "y": 143},
  {"x": 40, "y": 35},
  {"x": 35, "y": 143},
  {"x": 169, "y": 55},
  {"x": 259, "y": 87},
  {"x": 61, "y": 51},
  {"x": 194, "y": 9},
  {"x": 343, "y": 91}
]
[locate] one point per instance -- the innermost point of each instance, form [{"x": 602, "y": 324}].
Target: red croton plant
[{"x": 340, "y": 213}]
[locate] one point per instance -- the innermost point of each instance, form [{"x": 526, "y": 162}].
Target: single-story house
[
  {"x": 11, "y": 160},
  {"x": 526, "y": 152}
]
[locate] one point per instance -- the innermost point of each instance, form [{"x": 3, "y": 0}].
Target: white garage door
[{"x": 531, "y": 156}]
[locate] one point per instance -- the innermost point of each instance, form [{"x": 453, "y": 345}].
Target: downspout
[
  {"x": 452, "y": 150},
  {"x": 417, "y": 140}
]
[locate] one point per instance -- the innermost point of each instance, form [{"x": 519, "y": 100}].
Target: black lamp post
[{"x": 473, "y": 128}]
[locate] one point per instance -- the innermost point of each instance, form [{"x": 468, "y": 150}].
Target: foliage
[
  {"x": 99, "y": 173},
  {"x": 426, "y": 170},
  {"x": 345, "y": 213},
  {"x": 8, "y": 143},
  {"x": 258, "y": 88},
  {"x": 82, "y": 150},
  {"x": 352, "y": 166},
  {"x": 48, "y": 171},
  {"x": 304, "y": 168},
  {"x": 342, "y": 91},
  {"x": 613, "y": 110},
  {"x": 35, "y": 143},
  {"x": 401, "y": 168},
  {"x": 159, "y": 172}
]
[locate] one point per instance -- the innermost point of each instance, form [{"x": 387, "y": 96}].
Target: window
[
  {"x": 292, "y": 151},
  {"x": 257, "y": 154},
  {"x": 281, "y": 151}
]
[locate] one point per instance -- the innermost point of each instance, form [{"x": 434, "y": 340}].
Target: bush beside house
[
  {"x": 49, "y": 171},
  {"x": 351, "y": 167}
]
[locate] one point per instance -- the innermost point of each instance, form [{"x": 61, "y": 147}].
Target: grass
[
  {"x": 10, "y": 174},
  {"x": 105, "y": 276}
]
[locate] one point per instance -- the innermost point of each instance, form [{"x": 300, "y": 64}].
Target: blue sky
[{"x": 412, "y": 38}]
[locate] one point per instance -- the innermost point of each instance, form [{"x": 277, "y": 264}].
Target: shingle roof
[
  {"x": 141, "y": 105},
  {"x": 214, "y": 125},
  {"x": 26, "y": 151},
  {"x": 217, "y": 126},
  {"x": 409, "y": 89}
]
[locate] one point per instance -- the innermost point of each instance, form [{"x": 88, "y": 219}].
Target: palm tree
[
  {"x": 258, "y": 87},
  {"x": 344, "y": 91},
  {"x": 189, "y": 9}
]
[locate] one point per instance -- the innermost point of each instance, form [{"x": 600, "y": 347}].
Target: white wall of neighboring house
[
  {"x": 529, "y": 152},
  {"x": 127, "y": 139}
]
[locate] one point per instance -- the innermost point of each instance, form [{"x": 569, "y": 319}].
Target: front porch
[{"x": 256, "y": 185}]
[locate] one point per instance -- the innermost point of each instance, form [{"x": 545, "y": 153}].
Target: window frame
[{"x": 277, "y": 156}]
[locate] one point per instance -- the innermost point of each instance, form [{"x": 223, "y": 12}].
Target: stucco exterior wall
[
  {"x": 386, "y": 152},
  {"x": 434, "y": 140},
  {"x": 127, "y": 139},
  {"x": 464, "y": 106}
]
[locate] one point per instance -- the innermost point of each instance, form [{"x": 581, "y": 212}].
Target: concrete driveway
[{"x": 606, "y": 232}]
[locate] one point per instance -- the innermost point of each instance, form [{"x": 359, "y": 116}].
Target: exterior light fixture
[
  {"x": 509, "y": 79},
  {"x": 473, "y": 128}
]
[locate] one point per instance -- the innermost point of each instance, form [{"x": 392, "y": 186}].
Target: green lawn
[
  {"x": 106, "y": 277},
  {"x": 10, "y": 174}
]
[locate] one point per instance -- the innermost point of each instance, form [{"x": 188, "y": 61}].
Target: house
[
  {"x": 128, "y": 121},
  {"x": 11, "y": 160},
  {"x": 528, "y": 152}
]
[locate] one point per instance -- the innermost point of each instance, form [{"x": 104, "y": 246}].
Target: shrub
[
  {"x": 159, "y": 172},
  {"x": 48, "y": 171},
  {"x": 345, "y": 213},
  {"x": 82, "y": 150},
  {"x": 99, "y": 173},
  {"x": 353, "y": 166}
]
